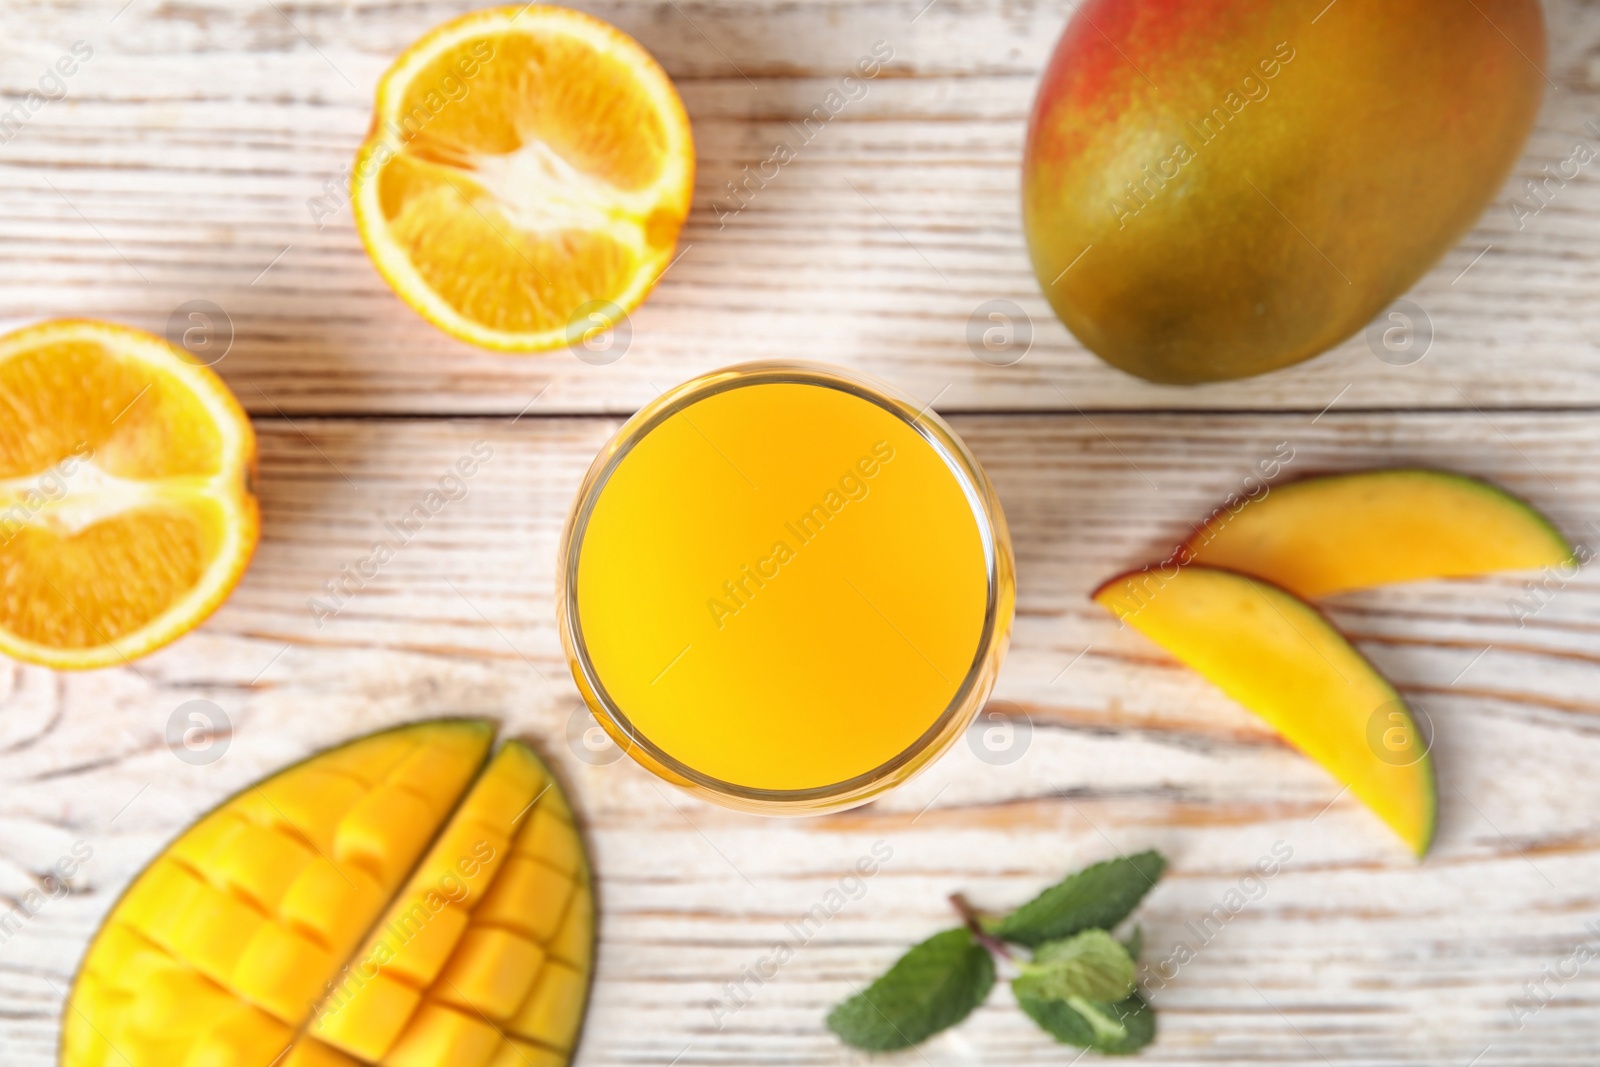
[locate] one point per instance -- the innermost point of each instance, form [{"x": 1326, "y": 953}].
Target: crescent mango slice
[
  {"x": 407, "y": 899},
  {"x": 1330, "y": 534},
  {"x": 1281, "y": 658}
]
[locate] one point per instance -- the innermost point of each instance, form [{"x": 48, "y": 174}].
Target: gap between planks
[{"x": 963, "y": 412}]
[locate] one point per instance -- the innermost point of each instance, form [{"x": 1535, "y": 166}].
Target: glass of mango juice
[{"x": 785, "y": 588}]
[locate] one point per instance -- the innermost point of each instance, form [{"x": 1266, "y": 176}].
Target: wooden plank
[
  {"x": 1353, "y": 953},
  {"x": 180, "y": 165}
]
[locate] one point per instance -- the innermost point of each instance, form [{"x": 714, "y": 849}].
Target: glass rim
[{"x": 975, "y": 683}]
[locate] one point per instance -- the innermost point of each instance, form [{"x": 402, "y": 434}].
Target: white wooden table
[{"x": 178, "y": 168}]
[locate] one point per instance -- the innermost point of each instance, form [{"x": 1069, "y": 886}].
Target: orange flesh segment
[
  {"x": 524, "y": 162},
  {"x": 87, "y": 588},
  {"x": 126, "y": 514},
  {"x": 1279, "y": 657},
  {"x": 1352, "y": 531},
  {"x": 218, "y": 953},
  {"x": 72, "y": 393}
]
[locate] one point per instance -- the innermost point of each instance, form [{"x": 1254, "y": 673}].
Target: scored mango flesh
[{"x": 397, "y": 901}]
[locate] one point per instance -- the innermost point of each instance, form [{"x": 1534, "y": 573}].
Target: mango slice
[
  {"x": 1350, "y": 531},
  {"x": 1278, "y": 656},
  {"x": 397, "y": 900}
]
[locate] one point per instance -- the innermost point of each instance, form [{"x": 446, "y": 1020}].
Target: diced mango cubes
[
  {"x": 394, "y": 901},
  {"x": 491, "y": 972}
]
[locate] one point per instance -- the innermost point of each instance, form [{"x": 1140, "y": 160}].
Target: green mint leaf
[
  {"x": 1108, "y": 1030},
  {"x": 1091, "y": 965},
  {"x": 934, "y": 986},
  {"x": 1135, "y": 943},
  {"x": 1115, "y": 1029},
  {"x": 1100, "y": 897}
]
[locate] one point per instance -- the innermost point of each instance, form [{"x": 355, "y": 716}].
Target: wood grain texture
[
  {"x": 1353, "y": 953},
  {"x": 180, "y": 165}
]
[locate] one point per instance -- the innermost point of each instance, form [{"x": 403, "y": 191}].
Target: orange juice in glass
[{"x": 785, "y": 588}]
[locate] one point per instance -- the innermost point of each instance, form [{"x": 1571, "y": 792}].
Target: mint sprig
[
  {"x": 1116, "y": 1029},
  {"x": 1090, "y": 964},
  {"x": 1078, "y": 984},
  {"x": 930, "y": 988},
  {"x": 1081, "y": 991},
  {"x": 1097, "y": 897},
  {"x": 1135, "y": 942}
]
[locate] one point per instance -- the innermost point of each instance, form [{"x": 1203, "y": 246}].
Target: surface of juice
[{"x": 782, "y": 586}]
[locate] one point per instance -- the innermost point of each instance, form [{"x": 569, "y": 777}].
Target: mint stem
[{"x": 969, "y": 915}]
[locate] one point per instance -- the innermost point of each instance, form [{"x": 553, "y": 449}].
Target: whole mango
[{"x": 1217, "y": 188}]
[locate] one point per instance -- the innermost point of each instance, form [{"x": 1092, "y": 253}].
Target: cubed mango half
[{"x": 407, "y": 899}]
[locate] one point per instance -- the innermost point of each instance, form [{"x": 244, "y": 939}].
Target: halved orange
[
  {"x": 126, "y": 506},
  {"x": 525, "y": 177}
]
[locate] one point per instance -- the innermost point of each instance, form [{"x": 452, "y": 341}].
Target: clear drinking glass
[{"x": 977, "y": 500}]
